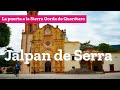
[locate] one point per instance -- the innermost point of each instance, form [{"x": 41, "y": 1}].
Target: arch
[{"x": 48, "y": 66}]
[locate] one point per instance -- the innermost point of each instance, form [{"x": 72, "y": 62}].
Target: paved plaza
[{"x": 62, "y": 76}]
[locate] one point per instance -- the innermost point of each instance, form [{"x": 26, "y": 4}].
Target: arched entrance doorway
[
  {"x": 48, "y": 66},
  {"x": 85, "y": 64},
  {"x": 97, "y": 65}
]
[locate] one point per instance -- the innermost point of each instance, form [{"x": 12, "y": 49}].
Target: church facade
[{"x": 49, "y": 39}]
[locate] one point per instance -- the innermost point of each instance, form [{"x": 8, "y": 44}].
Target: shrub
[{"x": 10, "y": 70}]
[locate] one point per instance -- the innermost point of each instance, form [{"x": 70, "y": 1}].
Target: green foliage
[
  {"x": 6, "y": 53},
  {"x": 101, "y": 47},
  {"x": 86, "y": 45},
  {"x": 106, "y": 48},
  {"x": 3, "y": 62},
  {"x": 10, "y": 70},
  {"x": 4, "y": 35}
]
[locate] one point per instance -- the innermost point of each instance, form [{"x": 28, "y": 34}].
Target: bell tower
[
  {"x": 27, "y": 37},
  {"x": 31, "y": 27}
]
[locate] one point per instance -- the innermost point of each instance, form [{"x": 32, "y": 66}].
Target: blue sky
[{"x": 101, "y": 26}]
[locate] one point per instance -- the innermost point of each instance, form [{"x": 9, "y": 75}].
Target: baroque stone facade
[{"x": 47, "y": 39}]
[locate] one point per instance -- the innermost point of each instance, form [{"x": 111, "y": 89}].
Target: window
[
  {"x": 47, "y": 43},
  {"x": 30, "y": 27},
  {"x": 73, "y": 67},
  {"x": 111, "y": 67},
  {"x": 30, "y": 49},
  {"x": 73, "y": 57}
]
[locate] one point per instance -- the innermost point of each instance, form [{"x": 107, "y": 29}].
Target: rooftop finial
[
  {"x": 23, "y": 30},
  {"x": 57, "y": 26},
  {"x": 64, "y": 30}
]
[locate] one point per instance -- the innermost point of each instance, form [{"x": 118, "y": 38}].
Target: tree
[
  {"x": 8, "y": 48},
  {"x": 11, "y": 62},
  {"x": 86, "y": 45},
  {"x": 4, "y": 35},
  {"x": 3, "y": 62},
  {"x": 106, "y": 48},
  {"x": 103, "y": 47}
]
